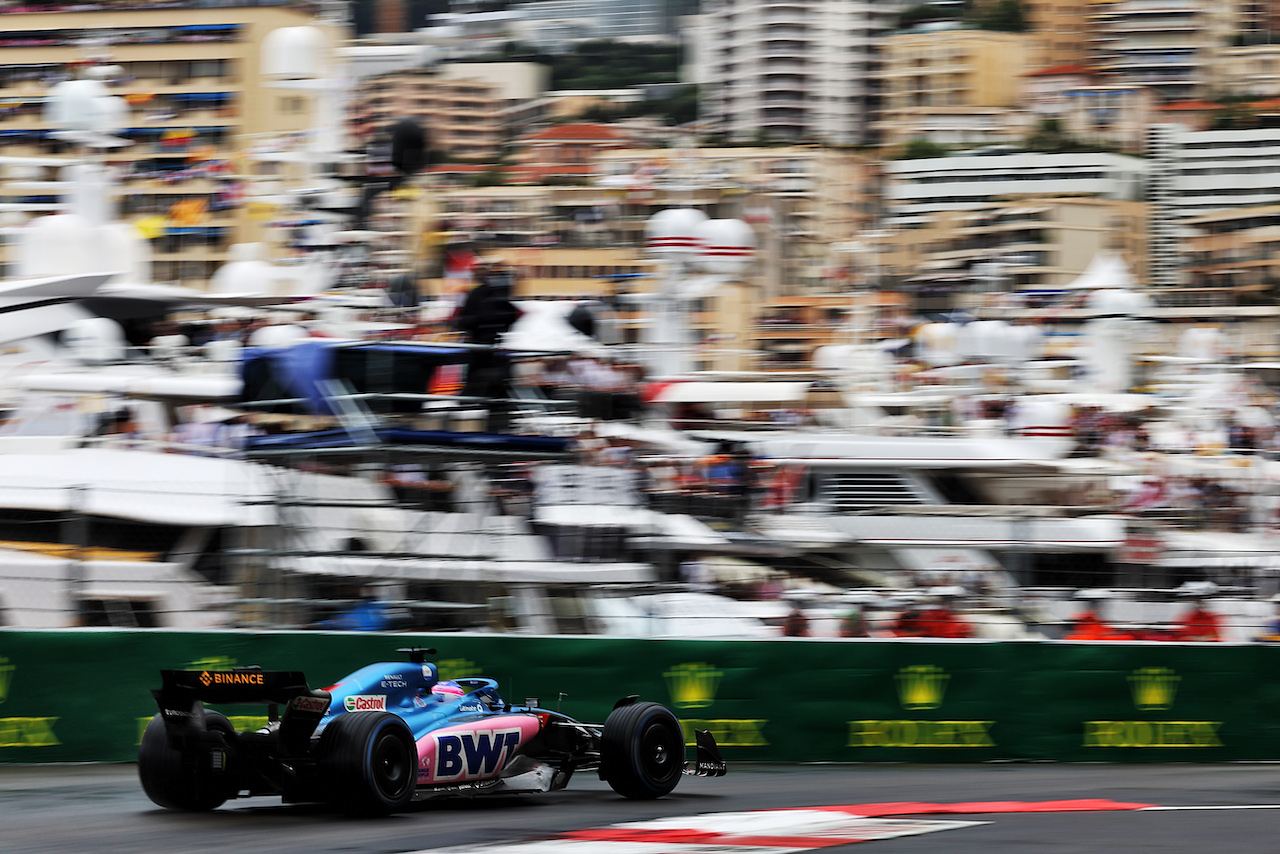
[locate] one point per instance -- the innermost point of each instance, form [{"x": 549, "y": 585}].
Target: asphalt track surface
[{"x": 102, "y": 808}]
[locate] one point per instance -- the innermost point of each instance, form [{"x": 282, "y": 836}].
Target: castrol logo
[{"x": 365, "y": 703}]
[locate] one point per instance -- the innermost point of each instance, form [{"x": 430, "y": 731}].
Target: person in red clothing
[
  {"x": 1198, "y": 624},
  {"x": 1089, "y": 624},
  {"x": 909, "y": 623},
  {"x": 939, "y": 619},
  {"x": 796, "y": 624},
  {"x": 935, "y": 617}
]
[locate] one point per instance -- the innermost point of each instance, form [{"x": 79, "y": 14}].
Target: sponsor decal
[
  {"x": 28, "y": 732},
  {"x": 920, "y": 688},
  {"x": 430, "y": 674},
  {"x": 210, "y": 678},
  {"x": 920, "y": 734},
  {"x": 1153, "y": 689},
  {"x": 6, "y": 677},
  {"x": 393, "y": 682},
  {"x": 1152, "y": 734},
  {"x": 475, "y": 754},
  {"x": 421, "y": 702},
  {"x": 315, "y": 705},
  {"x": 365, "y": 703},
  {"x": 693, "y": 685},
  {"x": 471, "y": 706}
]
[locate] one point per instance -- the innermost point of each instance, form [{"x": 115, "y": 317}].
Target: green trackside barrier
[{"x": 84, "y": 695}]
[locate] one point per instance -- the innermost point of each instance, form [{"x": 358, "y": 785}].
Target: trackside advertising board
[{"x": 84, "y": 695}]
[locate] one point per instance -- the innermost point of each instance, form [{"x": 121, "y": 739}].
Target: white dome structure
[
  {"x": 727, "y": 245},
  {"x": 245, "y": 272},
  {"x": 55, "y": 245},
  {"x": 126, "y": 252},
  {"x": 293, "y": 53},
  {"x": 675, "y": 232},
  {"x": 72, "y": 104},
  {"x": 937, "y": 343},
  {"x": 95, "y": 341}
]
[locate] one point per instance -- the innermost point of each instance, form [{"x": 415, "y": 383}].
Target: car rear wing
[{"x": 183, "y": 693}]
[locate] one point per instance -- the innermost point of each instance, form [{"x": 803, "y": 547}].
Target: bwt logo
[{"x": 474, "y": 755}]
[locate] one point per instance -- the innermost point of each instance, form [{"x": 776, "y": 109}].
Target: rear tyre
[
  {"x": 368, "y": 763},
  {"x": 642, "y": 751},
  {"x": 198, "y": 778}
]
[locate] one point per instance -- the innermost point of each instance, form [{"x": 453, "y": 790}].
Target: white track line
[{"x": 1220, "y": 807}]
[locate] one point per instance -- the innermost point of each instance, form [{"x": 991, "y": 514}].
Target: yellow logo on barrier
[
  {"x": 693, "y": 685},
  {"x": 921, "y": 686},
  {"x": 213, "y": 662},
  {"x": 6, "y": 677},
  {"x": 28, "y": 732},
  {"x": 453, "y": 668},
  {"x": 1153, "y": 688}
]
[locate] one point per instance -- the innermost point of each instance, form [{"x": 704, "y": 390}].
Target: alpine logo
[
  {"x": 365, "y": 703},
  {"x": 474, "y": 755}
]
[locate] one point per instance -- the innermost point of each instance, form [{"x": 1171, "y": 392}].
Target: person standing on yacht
[
  {"x": 1089, "y": 624},
  {"x": 1198, "y": 624},
  {"x": 485, "y": 316}
]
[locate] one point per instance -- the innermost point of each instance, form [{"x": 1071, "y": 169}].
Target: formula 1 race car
[{"x": 391, "y": 733}]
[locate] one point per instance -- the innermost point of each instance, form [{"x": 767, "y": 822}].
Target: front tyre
[
  {"x": 198, "y": 778},
  {"x": 642, "y": 751},
  {"x": 368, "y": 763}
]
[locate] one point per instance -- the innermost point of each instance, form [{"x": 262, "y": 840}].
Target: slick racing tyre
[
  {"x": 642, "y": 751},
  {"x": 368, "y": 763},
  {"x": 199, "y": 778}
]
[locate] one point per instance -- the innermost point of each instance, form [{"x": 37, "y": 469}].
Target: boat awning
[
  {"x": 945, "y": 560},
  {"x": 438, "y": 569},
  {"x": 594, "y": 516},
  {"x": 731, "y": 392}
]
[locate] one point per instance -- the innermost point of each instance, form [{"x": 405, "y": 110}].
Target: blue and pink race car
[{"x": 391, "y": 733}]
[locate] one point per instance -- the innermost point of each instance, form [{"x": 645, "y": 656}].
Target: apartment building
[
  {"x": 1059, "y": 31},
  {"x": 1087, "y": 108},
  {"x": 915, "y": 189},
  {"x": 1016, "y": 246},
  {"x": 565, "y": 153},
  {"x": 1252, "y": 70},
  {"x": 1174, "y": 48},
  {"x": 790, "y": 70},
  {"x": 1216, "y": 170},
  {"x": 953, "y": 86},
  {"x": 191, "y": 77},
  {"x": 462, "y": 116},
  {"x": 1234, "y": 255}
]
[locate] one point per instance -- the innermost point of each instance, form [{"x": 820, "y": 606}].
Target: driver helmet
[{"x": 447, "y": 689}]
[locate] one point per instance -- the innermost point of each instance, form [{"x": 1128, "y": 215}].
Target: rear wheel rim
[{"x": 390, "y": 766}]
